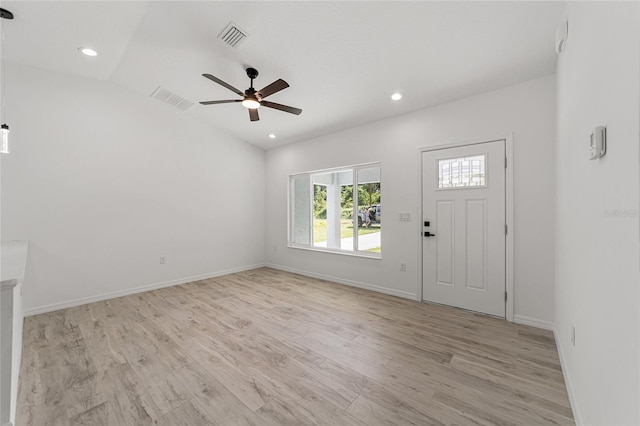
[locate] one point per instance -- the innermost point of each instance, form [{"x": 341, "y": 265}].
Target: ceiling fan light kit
[
  {"x": 252, "y": 99},
  {"x": 251, "y": 103}
]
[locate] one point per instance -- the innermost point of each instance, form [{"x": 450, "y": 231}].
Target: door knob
[{"x": 429, "y": 234}]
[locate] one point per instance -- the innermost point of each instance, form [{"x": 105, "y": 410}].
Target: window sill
[{"x": 366, "y": 254}]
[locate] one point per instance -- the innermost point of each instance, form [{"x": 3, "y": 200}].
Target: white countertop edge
[
  {"x": 8, "y": 284},
  {"x": 13, "y": 259}
]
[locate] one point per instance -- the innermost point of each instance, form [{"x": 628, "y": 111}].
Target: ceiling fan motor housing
[{"x": 252, "y": 73}]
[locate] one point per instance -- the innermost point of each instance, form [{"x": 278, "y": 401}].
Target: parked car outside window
[{"x": 375, "y": 215}]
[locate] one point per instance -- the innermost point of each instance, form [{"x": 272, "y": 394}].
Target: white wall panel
[
  {"x": 103, "y": 182},
  {"x": 597, "y": 232},
  {"x": 527, "y": 111}
]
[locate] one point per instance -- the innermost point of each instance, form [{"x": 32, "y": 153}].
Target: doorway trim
[{"x": 509, "y": 257}]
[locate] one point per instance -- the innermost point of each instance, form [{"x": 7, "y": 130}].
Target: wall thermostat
[{"x": 598, "y": 143}]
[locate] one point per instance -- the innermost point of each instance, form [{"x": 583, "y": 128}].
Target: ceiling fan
[{"x": 252, "y": 99}]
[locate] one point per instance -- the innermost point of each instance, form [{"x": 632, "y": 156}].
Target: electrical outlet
[
  {"x": 162, "y": 260},
  {"x": 573, "y": 335},
  {"x": 403, "y": 266}
]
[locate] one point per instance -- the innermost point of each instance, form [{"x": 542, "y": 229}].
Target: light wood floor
[{"x": 266, "y": 347}]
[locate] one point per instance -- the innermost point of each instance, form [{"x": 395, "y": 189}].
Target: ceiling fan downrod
[{"x": 252, "y": 73}]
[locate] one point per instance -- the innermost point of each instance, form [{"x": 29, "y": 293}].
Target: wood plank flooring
[{"x": 267, "y": 347}]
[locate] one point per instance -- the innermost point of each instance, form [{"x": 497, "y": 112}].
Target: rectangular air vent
[
  {"x": 233, "y": 35},
  {"x": 163, "y": 95}
]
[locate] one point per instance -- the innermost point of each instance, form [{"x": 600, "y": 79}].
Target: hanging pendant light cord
[{"x": 3, "y": 85}]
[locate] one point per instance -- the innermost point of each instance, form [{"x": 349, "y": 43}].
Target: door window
[{"x": 462, "y": 172}]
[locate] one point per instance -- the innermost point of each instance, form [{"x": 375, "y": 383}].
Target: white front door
[{"x": 463, "y": 203}]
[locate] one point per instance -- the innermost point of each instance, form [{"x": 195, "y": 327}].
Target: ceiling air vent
[
  {"x": 233, "y": 35},
  {"x": 163, "y": 95}
]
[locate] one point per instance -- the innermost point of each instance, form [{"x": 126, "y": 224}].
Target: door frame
[{"x": 509, "y": 258}]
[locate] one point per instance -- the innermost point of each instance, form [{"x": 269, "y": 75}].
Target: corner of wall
[{"x": 567, "y": 380}]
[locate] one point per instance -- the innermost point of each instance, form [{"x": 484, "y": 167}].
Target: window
[
  {"x": 461, "y": 172},
  {"x": 327, "y": 206}
]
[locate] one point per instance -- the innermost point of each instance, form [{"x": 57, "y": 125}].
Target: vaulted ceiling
[{"x": 342, "y": 60}]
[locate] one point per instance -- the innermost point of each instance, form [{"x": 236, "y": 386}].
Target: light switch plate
[{"x": 405, "y": 217}]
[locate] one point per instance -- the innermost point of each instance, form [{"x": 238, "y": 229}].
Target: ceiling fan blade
[
  {"x": 220, "y": 102},
  {"x": 285, "y": 108},
  {"x": 222, "y": 83},
  {"x": 253, "y": 114},
  {"x": 274, "y": 87}
]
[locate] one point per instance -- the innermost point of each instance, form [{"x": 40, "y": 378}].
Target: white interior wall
[
  {"x": 527, "y": 111},
  {"x": 597, "y": 249},
  {"x": 103, "y": 182}
]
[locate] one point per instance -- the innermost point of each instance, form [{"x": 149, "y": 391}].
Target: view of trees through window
[
  {"x": 368, "y": 195},
  {"x": 326, "y": 207}
]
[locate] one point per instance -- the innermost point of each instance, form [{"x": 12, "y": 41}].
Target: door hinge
[
  {"x": 505, "y": 162},
  {"x": 505, "y": 296},
  {"x": 506, "y": 229}
]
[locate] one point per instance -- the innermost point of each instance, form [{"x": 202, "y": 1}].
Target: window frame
[{"x": 354, "y": 216}]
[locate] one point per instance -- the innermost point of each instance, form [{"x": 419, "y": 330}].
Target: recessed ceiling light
[
  {"x": 87, "y": 51},
  {"x": 396, "y": 96},
  {"x": 272, "y": 136}
]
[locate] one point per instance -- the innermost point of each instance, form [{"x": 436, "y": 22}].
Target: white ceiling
[{"x": 342, "y": 59}]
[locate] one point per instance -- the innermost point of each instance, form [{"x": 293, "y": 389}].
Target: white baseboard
[
  {"x": 567, "y": 381},
  {"x": 534, "y": 322},
  {"x": 358, "y": 284},
  {"x": 141, "y": 289}
]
